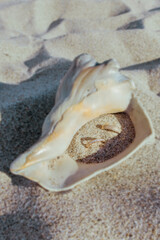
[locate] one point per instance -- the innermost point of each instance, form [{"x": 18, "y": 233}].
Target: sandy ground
[{"x": 38, "y": 41}]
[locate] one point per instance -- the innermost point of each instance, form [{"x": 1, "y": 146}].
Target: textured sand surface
[
  {"x": 94, "y": 145},
  {"x": 38, "y": 41}
]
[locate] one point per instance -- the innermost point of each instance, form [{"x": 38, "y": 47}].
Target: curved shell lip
[{"x": 139, "y": 141}]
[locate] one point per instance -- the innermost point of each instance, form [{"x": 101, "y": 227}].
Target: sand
[
  {"x": 38, "y": 41},
  {"x": 94, "y": 145}
]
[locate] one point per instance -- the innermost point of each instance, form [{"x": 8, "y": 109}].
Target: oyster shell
[{"x": 87, "y": 91}]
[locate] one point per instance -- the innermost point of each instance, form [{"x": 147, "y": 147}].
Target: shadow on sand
[
  {"x": 23, "y": 108},
  {"x": 22, "y": 225}
]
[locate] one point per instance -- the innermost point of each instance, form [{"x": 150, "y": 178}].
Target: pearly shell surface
[{"x": 87, "y": 91}]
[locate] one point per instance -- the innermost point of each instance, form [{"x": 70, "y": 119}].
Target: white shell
[{"x": 87, "y": 91}]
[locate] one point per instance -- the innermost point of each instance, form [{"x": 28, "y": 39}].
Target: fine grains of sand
[{"x": 112, "y": 144}]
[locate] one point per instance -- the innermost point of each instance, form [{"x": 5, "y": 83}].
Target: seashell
[{"x": 86, "y": 92}]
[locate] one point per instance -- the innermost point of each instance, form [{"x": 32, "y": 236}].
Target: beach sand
[
  {"x": 38, "y": 41},
  {"x": 91, "y": 144}
]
